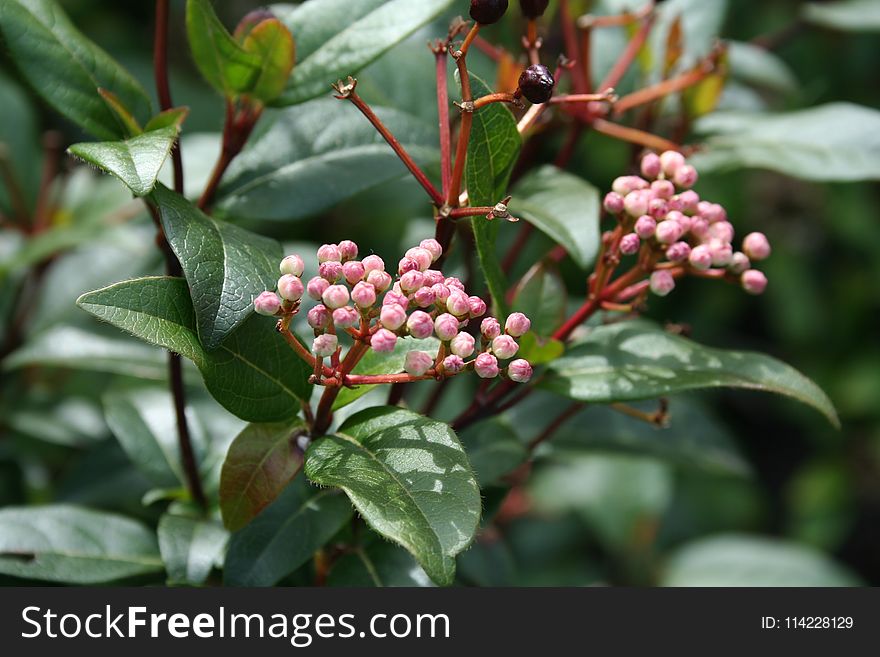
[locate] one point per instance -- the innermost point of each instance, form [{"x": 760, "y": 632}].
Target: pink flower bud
[
  {"x": 329, "y": 252},
  {"x": 348, "y": 250},
  {"x": 346, "y": 317},
  {"x": 417, "y": 363},
  {"x": 613, "y": 203},
  {"x": 433, "y": 247},
  {"x": 626, "y": 184},
  {"x": 433, "y": 277},
  {"x": 421, "y": 256},
  {"x": 405, "y": 265},
  {"x": 721, "y": 230},
  {"x": 663, "y": 189},
  {"x": 316, "y": 287},
  {"x": 756, "y": 246},
  {"x": 319, "y": 317},
  {"x": 267, "y": 303},
  {"x": 373, "y": 263},
  {"x": 383, "y": 341},
  {"x": 678, "y": 252},
  {"x": 517, "y": 324},
  {"x": 453, "y": 282},
  {"x": 446, "y": 326},
  {"x": 325, "y": 345},
  {"x": 290, "y": 287},
  {"x": 645, "y": 227},
  {"x": 629, "y": 244},
  {"x": 636, "y": 203},
  {"x": 689, "y": 200},
  {"x": 753, "y": 281},
  {"x": 668, "y": 231},
  {"x": 292, "y": 264},
  {"x": 519, "y": 371},
  {"x": 685, "y": 222},
  {"x": 392, "y": 316},
  {"x": 650, "y": 165},
  {"x": 441, "y": 292},
  {"x": 739, "y": 263},
  {"x": 490, "y": 328},
  {"x": 685, "y": 176},
  {"x": 453, "y": 364},
  {"x": 330, "y": 271},
  {"x": 699, "y": 227},
  {"x": 420, "y": 325},
  {"x": 462, "y": 344},
  {"x": 711, "y": 212},
  {"x": 458, "y": 304},
  {"x": 504, "y": 347},
  {"x": 675, "y": 204},
  {"x": 424, "y": 297},
  {"x": 486, "y": 366},
  {"x": 379, "y": 279},
  {"x": 335, "y": 296},
  {"x": 657, "y": 208},
  {"x": 700, "y": 257},
  {"x": 412, "y": 281},
  {"x": 670, "y": 161},
  {"x": 477, "y": 307},
  {"x": 363, "y": 294},
  {"x": 353, "y": 270},
  {"x": 721, "y": 251},
  {"x": 395, "y": 299},
  {"x": 662, "y": 282}
]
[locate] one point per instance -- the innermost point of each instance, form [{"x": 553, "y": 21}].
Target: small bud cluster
[
  {"x": 665, "y": 221},
  {"x": 363, "y": 299}
]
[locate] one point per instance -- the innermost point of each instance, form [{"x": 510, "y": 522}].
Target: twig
[{"x": 555, "y": 425}]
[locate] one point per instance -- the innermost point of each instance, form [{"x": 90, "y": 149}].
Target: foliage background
[{"x": 805, "y": 481}]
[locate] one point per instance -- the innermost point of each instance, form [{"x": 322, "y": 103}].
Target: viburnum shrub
[{"x": 382, "y": 393}]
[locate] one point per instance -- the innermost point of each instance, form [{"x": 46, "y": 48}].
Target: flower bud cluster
[
  {"x": 378, "y": 307},
  {"x": 667, "y": 223}
]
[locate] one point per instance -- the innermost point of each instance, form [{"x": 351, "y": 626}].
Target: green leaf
[
  {"x": 379, "y": 564},
  {"x": 409, "y": 478},
  {"x": 19, "y": 135},
  {"x": 564, "y": 207},
  {"x": 260, "y": 463},
  {"x": 375, "y": 362},
  {"x": 285, "y": 535},
  {"x": 847, "y": 15},
  {"x": 254, "y": 374},
  {"x": 169, "y": 118},
  {"x": 226, "y": 267},
  {"x": 190, "y": 548},
  {"x": 337, "y": 38},
  {"x": 273, "y": 44},
  {"x": 493, "y": 450},
  {"x": 833, "y": 142},
  {"x": 492, "y": 151},
  {"x": 61, "y": 543},
  {"x": 743, "y": 560},
  {"x": 135, "y": 161},
  {"x": 222, "y": 61},
  {"x": 73, "y": 422},
  {"x": 67, "y": 69},
  {"x": 541, "y": 295},
  {"x": 306, "y": 159},
  {"x": 539, "y": 351},
  {"x": 637, "y": 360},
  {"x": 760, "y": 67},
  {"x": 701, "y": 22}
]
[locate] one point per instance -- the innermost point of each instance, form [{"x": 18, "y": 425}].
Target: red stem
[
  {"x": 163, "y": 88},
  {"x": 443, "y": 115},
  {"x": 628, "y": 55}
]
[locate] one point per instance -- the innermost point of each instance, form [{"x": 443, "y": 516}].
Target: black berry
[
  {"x": 488, "y": 11},
  {"x": 536, "y": 84},
  {"x": 533, "y": 8}
]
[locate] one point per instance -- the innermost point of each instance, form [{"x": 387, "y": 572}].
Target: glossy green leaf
[
  {"x": 259, "y": 465},
  {"x": 379, "y": 564},
  {"x": 67, "y": 69},
  {"x": 492, "y": 151},
  {"x": 190, "y": 548},
  {"x": 384, "y": 363},
  {"x": 285, "y": 535},
  {"x": 409, "y": 478},
  {"x": 847, "y": 15},
  {"x": 743, "y": 560},
  {"x": 73, "y": 422},
  {"x": 760, "y": 67},
  {"x": 19, "y": 135},
  {"x": 539, "y": 351},
  {"x": 222, "y": 61},
  {"x": 564, "y": 207},
  {"x": 305, "y": 159},
  {"x": 493, "y": 449},
  {"x": 169, "y": 118},
  {"x": 226, "y": 266},
  {"x": 254, "y": 374},
  {"x": 69, "y": 544},
  {"x": 135, "y": 161},
  {"x": 336, "y": 38},
  {"x": 638, "y": 360},
  {"x": 273, "y": 44},
  {"x": 542, "y": 296},
  {"x": 833, "y": 142}
]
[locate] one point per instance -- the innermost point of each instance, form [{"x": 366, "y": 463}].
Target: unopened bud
[
  {"x": 662, "y": 282},
  {"x": 353, "y": 271},
  {"x": 663, "y": 189},
  {"x": 629, "y": 244},
  {"x": 373, "y": 263},
  {"x": 446, "y": 326},
  {"x": 392, "y": 316},
  {"x": 623, "y": 185},
  {"x": 636, "y": 203},
  {"x": 477, "y": 307},
  {"x": 678, "y": 252},
  {"x": 453, "y": 364},
  {"x": 412, "y": 281},
  {"x": 346, "y": 317},
  {"x": 293, "y": 265},
  {"x": 331, "y": 270},
  {"x": 650, "y": 165},
  {"x": 613, "y": 203},
  {"x": 405, "y": 265},
  {"x": 453, "y": 282},
  {"x": 458, "y": 304},
  {"x": 325, "y": 345},
  {"x": 420, "y": 325},
  {"x": 433, "y": 277},
  {"x": 504, "y": 347},
  {"x": 517, "y": 324},
  {"x": 668, "y": 231},
  {"x": 685, "y": 176},
  {"x": 383, "y": 341},
  {"x": 462, "y": 344},
  {"x": 721, "y": 230},
  {"x": 316, "y": 287},
  {"x": 756, "y": 246},
  {"x": 363, "y": 294},
  {"x": 490, "y": 328},
  {"x": 319, "y": 317},
  {"x": 486, "y": 366},
  {"x": 335, "y": 296},
  {"x": 417, "y": 363},
  {"x": 700, "y": 257},
  {"x": 753, "y": 281},
  {"x": 421, "y": 256},
  {"x": 348, "y": 250},
  {"x": 329, "y": 252},
  {"x": 519, "y": 370},
  {"x": 267, "y": 303},
  {"x": 690, "y": 200},
  {"x": 290, "y": 287},
  {"x": 380, "y": 280},
  {"x": 395, "y": 298},
  {"x": 670, "y": 161},
  {"x": 433, "y": 247},
  {"x": 721, "y": 251},
  {"x": 645, "y": 227},
  {"x": 739, "y": 263},
  {"x": 424, "y": 297}
]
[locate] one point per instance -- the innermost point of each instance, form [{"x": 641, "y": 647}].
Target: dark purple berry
[
  {"x": 487, "y": 12},
  {"x": 536, "y": 84},
  {"x": 533, "y": 8}
]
